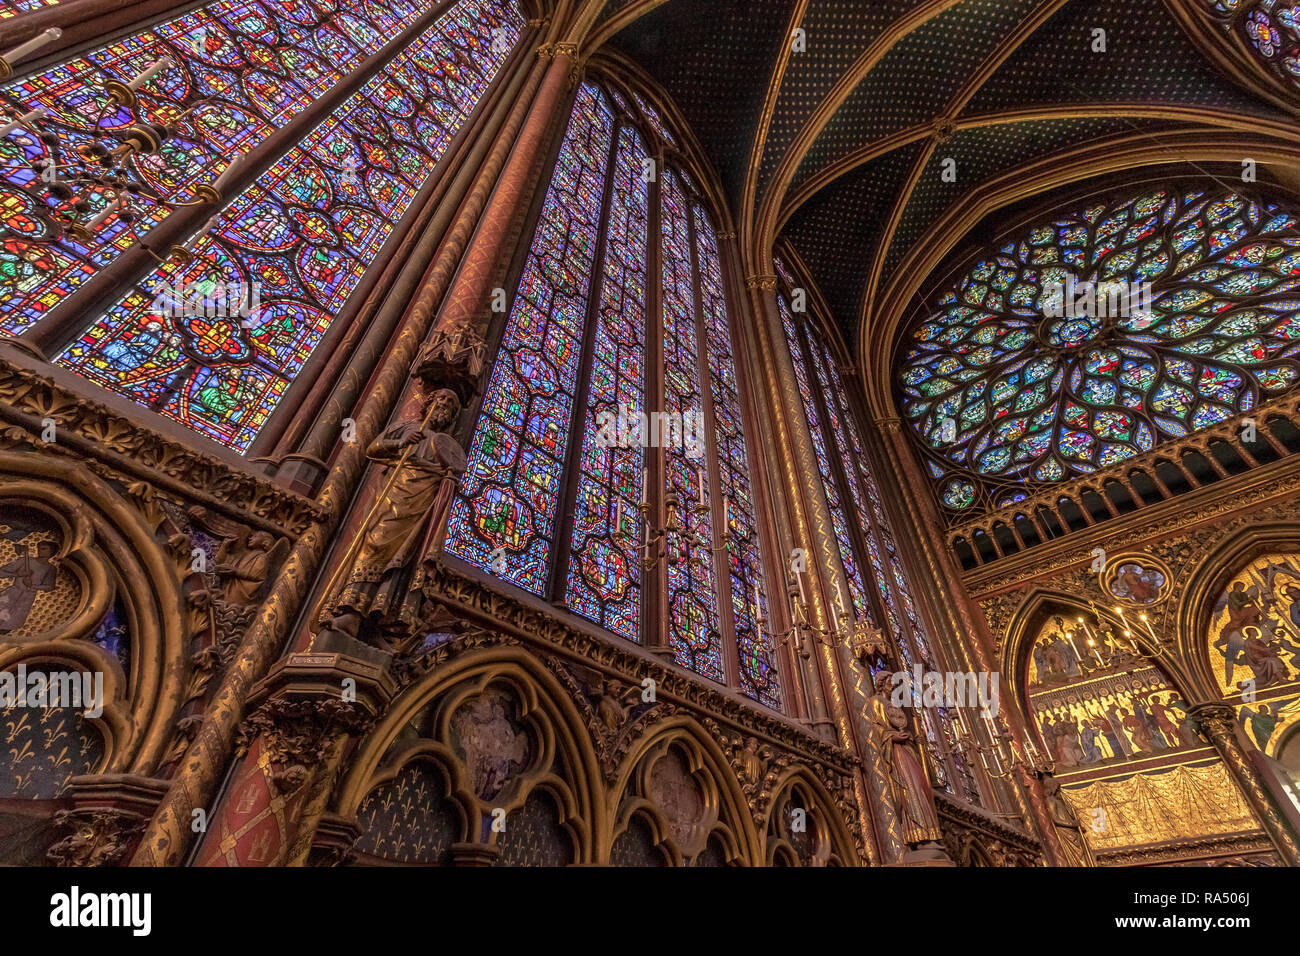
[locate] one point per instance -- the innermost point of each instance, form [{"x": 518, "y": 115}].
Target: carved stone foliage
[
  {"x": 100, "y": 836},
  {"x": 973, "y": 839},
  {"x": 297, "y": 733},
  {"x": 118, "y": 448},
  {"x": 464, "y": 595}
]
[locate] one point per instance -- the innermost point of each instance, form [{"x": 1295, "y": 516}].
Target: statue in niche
[
  {"x": 244, "y": 566},
  {"x": 30, "y": 575},
  {"x": 913, "y": 797},
  {"x": 423, "y": 464},
  {"x": 1069, "y": 830}
]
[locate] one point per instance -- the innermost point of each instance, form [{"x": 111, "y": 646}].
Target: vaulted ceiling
[{"x": 839, "y": 149}]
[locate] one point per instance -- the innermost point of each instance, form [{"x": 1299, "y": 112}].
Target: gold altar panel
[{"x": 1187, "y": 802}]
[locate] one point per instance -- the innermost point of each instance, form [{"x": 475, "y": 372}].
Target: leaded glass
[
  {"x": 1097, "y": 335},
  {"x": 304, "y": 233},
  {"x": 604, "y": 580},
  {"x": 839, "y": 520},
  {"x": 12, "y": 8},
  {"x": 652, "y": 117},
  {"x": 258, "y": 63},
  {"x": 693, "y": 630},
  {"x": 757, "y": 675},
  {"x": 1270, "y": 27},
  {"x": 508, "y": 495}
]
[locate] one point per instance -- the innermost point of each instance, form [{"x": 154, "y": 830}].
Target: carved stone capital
[
  {"x": 1217, "y": 719},
  {"x": 97, "y": 836},
  {"x": 552, "y": 51},
  {"x": 765, "y": 282},
  {"x": 452, "y": 357}
]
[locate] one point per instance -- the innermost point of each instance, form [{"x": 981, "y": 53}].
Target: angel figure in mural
[
  {"x": 422, "y": 466},
  {"x": 1264, "y": 658},
  {"x": 1069, "y": 830},
  {"x": 911, "y": 785},
  {"x": 30, "y": 575}
]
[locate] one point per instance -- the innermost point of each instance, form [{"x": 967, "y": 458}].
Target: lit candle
[
  {"x": 618, "y": 515},
  {"x": 154, "y": 69},
  {"x": 801, "y": 578},
  {"x": 758, "y": 606},
  {"x": 961, "y": 719},
  {"x": 645, "y": 480},
  {"x": 103, "y": 215},
  {"x": 699, "y": 477},
  {"x": 32, "y": 45},
  {"x": 993, "y": 728},
  {"x": 25, "y": 120},
  {"x": 1093, "y": 645},
  {"x": 228, "y": 174}
]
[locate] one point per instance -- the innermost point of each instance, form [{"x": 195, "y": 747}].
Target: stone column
[
  {"x": 832, "y": 704},
  {"x": 1219, "y": 721},
  {"x": 303, "y": 716},
  {"x": 966, "y": 626}
]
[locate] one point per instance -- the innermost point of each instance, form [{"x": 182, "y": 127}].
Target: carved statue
[
  {"x": 244, "y": 566},
  {"x": 908, "y": 779},
  {"x": 424, "y": 464},
  {"x": 1068, "y": 828}
]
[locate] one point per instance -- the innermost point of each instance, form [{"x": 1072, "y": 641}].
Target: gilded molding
[{"x": 135, "y": 452}]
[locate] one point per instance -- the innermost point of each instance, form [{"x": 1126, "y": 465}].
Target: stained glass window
[
  {"x": 12, "y": 8},
  {"x": 303, "y": 234},
  {"x": 1270, "y": 27},
  {"x": 693, "y": 627},
  {"x": 757, "y": 674},
  {"x": 829, "y": 413},
  {"x": 257, "y": 63},
  {"x": 839, "y": 517},
  {"x": 1098, "y": 334},
  {"x": 569, "y": 424},
  {"x": 604, "y": 580},
  {"x": 509, "y": 493}
]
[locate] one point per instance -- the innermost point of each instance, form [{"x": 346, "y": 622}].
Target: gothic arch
[
  {"x": 1124, "y": 162},
  {"x": 723, "y": 815},
  {"x": 112, "y": 560},
  {"x": 1235, "y": 549},
  {"x": 834, "y": 844},
  {"x": 554, "y": 754}
]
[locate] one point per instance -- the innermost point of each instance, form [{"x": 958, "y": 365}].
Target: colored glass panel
[
  {"x": 693, "y": 629},
  {"x": 1093, "y": 337},
  {"x": 304, "y": 234},
  {"x": 507, "y": 501},
  {"x": 758, "y": 677},
  {"x": 839, "y": 519},
  {"x": 12, "y": 8},
  {"x": 1271, "y": 29},
  {"x": 604, "y": 580},
  {"x": 652, "y": 117},
  {"x": 257, "y": 63}
]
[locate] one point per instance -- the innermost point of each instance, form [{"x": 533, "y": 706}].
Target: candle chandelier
[{"x": 80, "y": 178}]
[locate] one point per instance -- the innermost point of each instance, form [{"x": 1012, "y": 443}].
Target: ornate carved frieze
[
  {"x": 968, "y": 833},
  {"x": 120, "y": 449},
  {"x": 628, "y": 665}
]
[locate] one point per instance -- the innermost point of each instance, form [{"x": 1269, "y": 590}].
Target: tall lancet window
[
  {"x": 593, "y": 389},
  {"x": 866, "y": 544},
  {"x": 294, "y": 245}
]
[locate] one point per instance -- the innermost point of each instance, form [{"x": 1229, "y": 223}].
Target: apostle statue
[
  {"x": 1069, "y": 831},
  {"x": 423, "y": 464},
  {"x": 908, "y": 779}
]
